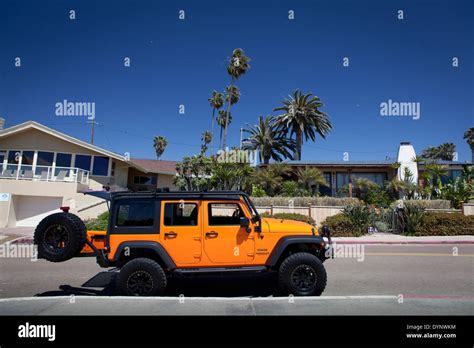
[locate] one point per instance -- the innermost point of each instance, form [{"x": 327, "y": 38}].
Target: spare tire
[{"x": 60, "y": 236}]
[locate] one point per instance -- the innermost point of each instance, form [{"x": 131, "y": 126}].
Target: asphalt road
[{"x": 429, "y": 279}]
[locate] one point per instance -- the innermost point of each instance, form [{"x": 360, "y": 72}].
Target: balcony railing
[{"x": 44, "y": 173}]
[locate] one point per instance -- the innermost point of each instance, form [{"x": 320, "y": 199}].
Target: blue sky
[{"x": 176, "y": 62}]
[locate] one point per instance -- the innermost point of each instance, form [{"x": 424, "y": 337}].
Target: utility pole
[
  {"x": 92, "y": 130},
  {"x": 241, "y": 130}
]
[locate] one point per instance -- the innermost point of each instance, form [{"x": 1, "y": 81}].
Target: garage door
[{"x": 30, "y": 210}]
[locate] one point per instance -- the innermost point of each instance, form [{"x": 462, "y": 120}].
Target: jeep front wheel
[
  {"x": 141, "y": 277},
  {"x": 302, "y": 274}
]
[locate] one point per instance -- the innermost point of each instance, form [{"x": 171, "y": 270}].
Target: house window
[
  {"x": 83, "y": 162},
  {"x": 144, "y": 180},
  {"x": 63, "y": 160},
  {"x": 101, "y": 166},
  {"x": 27, "y": 158},
  {"x": 112, "y": 172},
  {"x": 14, "y": 156},
  {"x": 45, "y": 158},
  {"x": 3, "y": 155}
]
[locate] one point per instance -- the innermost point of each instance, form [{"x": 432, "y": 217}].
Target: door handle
[
  {"x": 211, "y": 234},
  {"x": 171, "y": 234}
]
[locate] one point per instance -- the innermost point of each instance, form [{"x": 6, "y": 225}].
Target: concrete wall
[{"x": 468, "y": 208}]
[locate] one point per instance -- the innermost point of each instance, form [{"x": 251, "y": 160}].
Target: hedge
[
  {"x": 291, "y": 216},
  {"x": 98, "y": 224},
  {"x": 340, "y": 226},
  {"x": 304, "y": 201},
  {"x": 446, "y": 224}
]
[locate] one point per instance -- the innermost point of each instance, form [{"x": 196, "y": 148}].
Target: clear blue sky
[{"x": 177, "y": 62}]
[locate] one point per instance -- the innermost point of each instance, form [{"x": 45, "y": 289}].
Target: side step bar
[{"x": 219, "y": 270}]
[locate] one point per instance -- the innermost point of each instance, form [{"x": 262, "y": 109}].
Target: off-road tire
[
  {"x": 308, "y": 265},
  {"x": 141, "y": 277},
  {"x": 66, "y": 230}
]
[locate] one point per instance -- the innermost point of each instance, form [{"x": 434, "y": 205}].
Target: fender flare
[
  {"x": 154, "y": 246},
  {"x": 284, "y": 242}
]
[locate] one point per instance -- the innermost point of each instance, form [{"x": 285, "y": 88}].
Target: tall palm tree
[
  {"x": 221, "y": 120},
  {"x": 311, "y": 178},
  {"x": 302, "y": 118},
  {"x": 238, "y": 66},
  {"x": 268, "y": 140},
  {"x": 469, "y": 136},
  {"x": 160, "y": 143},
  {"x": 216, "y": 101},
  {"x": 232, "y": 96}
]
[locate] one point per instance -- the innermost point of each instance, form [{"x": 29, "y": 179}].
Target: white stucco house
[{"x": 42, "y": 169}]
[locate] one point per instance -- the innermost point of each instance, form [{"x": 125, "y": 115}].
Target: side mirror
[{"x": 245, "y": 222}]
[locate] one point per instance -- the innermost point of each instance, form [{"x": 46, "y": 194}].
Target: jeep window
[
  {"x": 136, "y": 213},
  {"x": 224, "y": 214},
  {"x": 181, "y": 214}
]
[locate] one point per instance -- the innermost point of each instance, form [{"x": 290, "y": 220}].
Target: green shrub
[
  {"x": 291, "y": 188},
  {"x": 412, "y": 218},
  {"x": 304, "y": 201},
  {"x": 360, "y": 216},
  {"x": 258, "y": 191},
  {"x": 100, "y": 223},
  {"x": 340, "y": 226},
  {"x": 446, "y": 224},
  {"x": 377, "y": 197},
  {"x": 291, "y": 216}
]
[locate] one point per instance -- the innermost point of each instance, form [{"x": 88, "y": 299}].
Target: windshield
[{"x": 253, "y": 210}]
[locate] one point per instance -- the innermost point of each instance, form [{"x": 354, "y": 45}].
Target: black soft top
[{"x": 197, "y": 195}]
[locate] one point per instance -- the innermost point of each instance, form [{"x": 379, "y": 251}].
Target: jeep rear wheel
[
  {"x": 141, "y": 277},
  {"x": 302, "y": 274},
  {"x": 60, "y": 237}
]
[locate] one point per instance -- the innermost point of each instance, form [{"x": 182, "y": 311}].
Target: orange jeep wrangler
[{"x": 152, "y": 236}]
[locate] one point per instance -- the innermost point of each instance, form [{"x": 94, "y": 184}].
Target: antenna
[{"x": 92, "y": 130}]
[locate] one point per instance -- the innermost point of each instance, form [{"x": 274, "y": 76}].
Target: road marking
[{"x": 418, "y": 254}]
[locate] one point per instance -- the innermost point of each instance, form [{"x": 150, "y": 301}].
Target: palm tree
[
  {"x": 302, "y": 117},
  {"x": 160, "y": 143},
  {"x": 446, "y": 151},
  {"x": 469, "y": 136},
  {"x": 238, "y": 66},
  {"x": 216, "y": 101},
  {"x": 270, "y": 177},
  {"x": 232, "y": 96},
  {"x": 437, "y": 172},
  {"x": 221, "y": 120},
  {"x": 206, "y": 138},
  {"x": 310, "y": 179},
  {"x": 430, "y": 153},
  {"x": 268, "y": 140}
]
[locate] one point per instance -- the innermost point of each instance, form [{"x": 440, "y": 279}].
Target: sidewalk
[{"x": 389, "y": 238}]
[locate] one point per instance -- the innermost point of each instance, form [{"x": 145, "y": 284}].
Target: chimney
[
  {"x": 406, "y": 156},
  {"x": 2, "y": 123}
]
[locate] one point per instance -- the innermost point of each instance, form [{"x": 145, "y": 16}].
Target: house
[
  {"x": 339, "y": 174},
  {"x": 42, "y": 169}
]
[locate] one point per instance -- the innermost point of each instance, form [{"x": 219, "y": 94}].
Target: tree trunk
[
  {"x": 299, "y": 142},
  {"x": 212, "y": 130},
  {"x": 224, "y": 142},
  {"x": 472, "y": 154}
]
